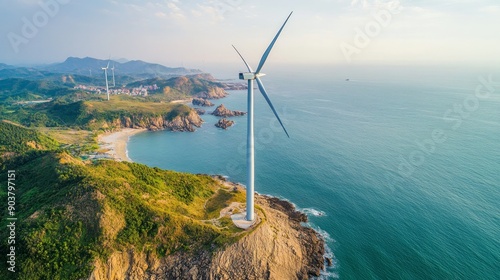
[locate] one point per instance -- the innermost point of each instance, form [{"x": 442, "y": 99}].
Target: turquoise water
[{"x": 392, "y": 208}]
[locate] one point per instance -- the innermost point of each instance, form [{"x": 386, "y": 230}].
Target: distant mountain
[
  {"x": 20, "y": 72},
  {"x": 92, "y": 66},
  {"x": 203, "y": 86}
]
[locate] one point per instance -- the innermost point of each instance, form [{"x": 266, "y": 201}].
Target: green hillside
[
  {"x": 184, "y": 86},
  {"x": 16, "y": 139},
  {"x": 70, "y": 212},
  {"x": 93, "y": 114},
  {"x": 15, "y": 89}
]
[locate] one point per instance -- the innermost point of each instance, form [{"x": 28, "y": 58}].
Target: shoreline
[{"x": 115, "y": 143}]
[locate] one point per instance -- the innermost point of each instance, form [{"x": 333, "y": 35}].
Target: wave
[
  {"x": 329, "y": 272},
  {"x": 313, "y": 212}
]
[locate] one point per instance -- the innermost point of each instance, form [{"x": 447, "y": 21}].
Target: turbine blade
[
  {"x": 268, "y": 50},
  {"x": 248, "y": 66},
  {"x": 264, "y": 93}
]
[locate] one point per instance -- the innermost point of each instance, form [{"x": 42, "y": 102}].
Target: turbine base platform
[{"x": 240, "y": 220}]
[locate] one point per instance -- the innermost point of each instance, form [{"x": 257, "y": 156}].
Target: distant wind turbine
[
  {"x": 113, "y": 71},
  {"x": 250, "y": 76},
  {"x": 106, "y": 77}
]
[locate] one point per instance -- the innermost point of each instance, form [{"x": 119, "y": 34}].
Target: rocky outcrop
[
  {"x": 183, "y": 123},
  {"x": 278, "y": 248},
  {"x": 281, "y": 248},
  {"x": 222, "y": 111},
  {"x": 202, "y": 102},
  {"x": 212, "y": 93},
  {"x": 200, "y": 111},
  {"x": 224, "y": 123}
]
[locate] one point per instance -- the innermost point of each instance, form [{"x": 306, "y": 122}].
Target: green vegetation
[
  {"x": 178, "y": 87},
  {"x": 71, "y": 212},
  {"x": 19, "y": 140},
  {"x": 95, "y": 115},
  {"x": 14, "y": 90}
]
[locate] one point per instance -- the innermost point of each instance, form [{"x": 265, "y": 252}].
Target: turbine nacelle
[{"x": 250, "y": 76}]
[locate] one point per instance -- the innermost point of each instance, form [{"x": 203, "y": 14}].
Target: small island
[
  {"x": 222, "y": 111},
  {"x": 224, "y": 123}
]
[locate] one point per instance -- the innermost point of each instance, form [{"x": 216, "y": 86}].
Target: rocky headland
[
  {"x": 222, "y": 111},
  {"x": 279, "y": 247}
]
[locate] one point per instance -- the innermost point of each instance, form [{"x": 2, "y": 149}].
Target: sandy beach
[
  {"x": 115, "y": 143},
  {"x": 182, "y": 101}
]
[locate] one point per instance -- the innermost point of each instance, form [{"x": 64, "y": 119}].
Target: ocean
[{"x": 397, "y": 167}]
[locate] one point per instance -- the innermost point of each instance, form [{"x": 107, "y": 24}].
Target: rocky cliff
[
  {"x": 183, "y": 122},
  {"x": 277, "y": 248}
]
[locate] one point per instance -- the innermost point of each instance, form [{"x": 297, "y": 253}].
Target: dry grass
[{"x": 66, "y": 136}]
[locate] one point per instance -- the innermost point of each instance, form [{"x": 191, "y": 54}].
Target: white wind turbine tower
[
  {"x": 106, "y": 77},
  {"x": 113, "y": 71},
  {"x": 250, "y": 76}
]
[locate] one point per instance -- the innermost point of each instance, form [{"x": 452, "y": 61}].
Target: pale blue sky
[{"x": 199, "y": 33}]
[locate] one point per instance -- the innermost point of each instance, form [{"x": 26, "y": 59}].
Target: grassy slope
[
  {"x": 71, "y": 212},
  {"x": 17, "y": 139},
  {"x": 84, "y": 114}
]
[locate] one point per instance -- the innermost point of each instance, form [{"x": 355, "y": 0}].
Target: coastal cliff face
[
  {"x": 212, "y": 93},
  {"x": 278, "y": 248},
  {"x": 186, "y": 122}
]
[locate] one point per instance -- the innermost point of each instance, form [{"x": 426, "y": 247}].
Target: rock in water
[
  {"x": 202, "y": 102},
  {"x": 224, "y": 123},
  {"x": 222, "y": 111}
]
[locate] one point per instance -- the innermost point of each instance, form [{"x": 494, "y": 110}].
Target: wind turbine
[
  {"x": 250, "y": 76},
  {"x": 106, "y": 77},
  {"x": 113, "y": 71}
]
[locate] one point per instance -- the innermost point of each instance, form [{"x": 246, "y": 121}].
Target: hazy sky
[{"x": 199, "y": 33}]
